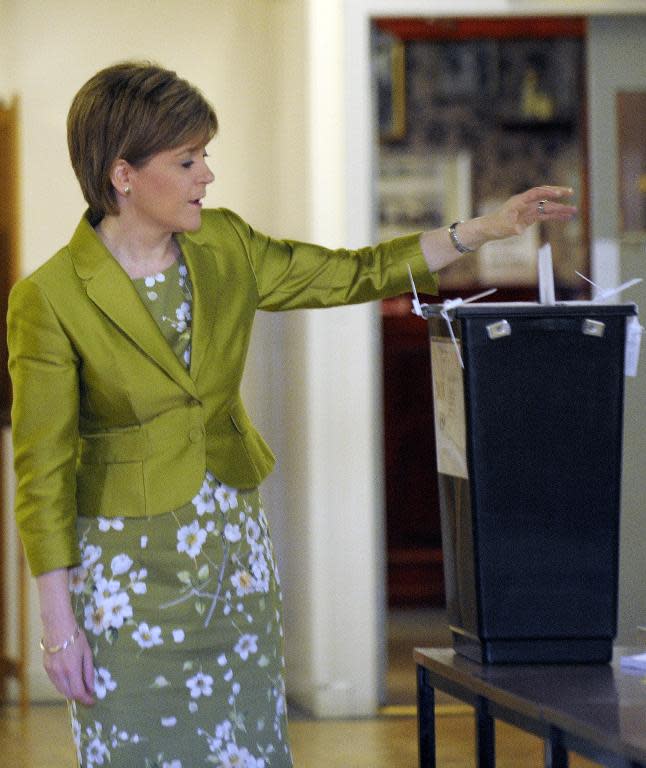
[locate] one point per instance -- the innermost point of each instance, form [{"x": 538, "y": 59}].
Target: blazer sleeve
[
  {"x": 296, "y": 275},
  {"x": 45, "y": 413}
]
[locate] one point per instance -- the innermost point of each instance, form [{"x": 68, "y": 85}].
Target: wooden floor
[{"x": 42, "y": 739}]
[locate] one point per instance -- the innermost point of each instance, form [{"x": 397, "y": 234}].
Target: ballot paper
[{"x": 546, "y": 292}]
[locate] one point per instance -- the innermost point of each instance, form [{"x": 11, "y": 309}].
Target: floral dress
[{"x": 183, "y": 614}]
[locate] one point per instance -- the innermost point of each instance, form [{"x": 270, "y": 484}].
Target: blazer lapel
[
  {"x": 110, "y": 288},
  {"x": 201, "y": 264}
]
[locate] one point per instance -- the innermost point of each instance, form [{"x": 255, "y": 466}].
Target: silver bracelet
[
  {"x": 61, "y": 646},
  {"x": 457, "y": 244}
]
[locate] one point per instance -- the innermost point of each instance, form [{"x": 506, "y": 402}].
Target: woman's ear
[{"x": 120, "y": 177}]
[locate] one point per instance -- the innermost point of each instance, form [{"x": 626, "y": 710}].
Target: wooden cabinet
[{"x": 413, "y": 521}]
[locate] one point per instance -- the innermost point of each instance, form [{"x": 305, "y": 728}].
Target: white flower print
[
  {"x": 94, "y": 616},
  {"x": 183, "y": 314},
  {"x": 204, "y": 502},
  {"x": 137, "y": 583},
  {"x": 117, "y": 609},
  {"x": 96, "y": 752},
  {"x": 110, "y": 523},
  {"x": 190, "y": 539},
  {"x": 178, "y": 635},
  {"x": 227, "y": 497},
  {"x": 147, "y": 637},
  {"x": 232, "y": 532},
  {"x": 200, "y": 685},
  {"x": 243, "y": 582},
  {"x": 103, "y": 682},
  {"x": 90, "y": 555},
  {"x": 150, "y": 282},
  {"x": 246, "y": 644},
  {"x": 143, "y": 542},
  {"x": 120, "y": 564},
  {"x": 104, "y": 589},
  {"x": 223, "y": 732},
  {"x": 253, "y": 530},
  {"x": 171, "y": 764},
  {"x": 239, "y": 757},
  {"x": 76, "y": 732},
  {"x": 169, "y": 722}
]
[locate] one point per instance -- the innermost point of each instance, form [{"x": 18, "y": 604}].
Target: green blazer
[{"x": 107, "y": 421}]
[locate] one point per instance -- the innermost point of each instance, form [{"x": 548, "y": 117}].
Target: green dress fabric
[{"x": 183, "y": 613}]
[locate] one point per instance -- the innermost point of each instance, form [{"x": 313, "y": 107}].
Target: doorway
[{"x": 470, "y": 111}]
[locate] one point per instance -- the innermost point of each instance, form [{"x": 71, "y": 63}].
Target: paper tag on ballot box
[{"x": 633, "y": 344}]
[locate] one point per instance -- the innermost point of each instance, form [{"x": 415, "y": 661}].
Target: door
[{"x": 492, "y": 106}]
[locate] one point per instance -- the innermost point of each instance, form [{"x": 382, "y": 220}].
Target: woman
[{"x": 138, "y": 468}]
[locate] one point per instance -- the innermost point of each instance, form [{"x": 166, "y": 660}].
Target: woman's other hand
[
  {"x": 71, "y": 669},
  {"x": 68, "y": 662}
]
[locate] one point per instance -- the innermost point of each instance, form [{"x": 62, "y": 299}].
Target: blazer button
[{"x": 196, "y": 434}]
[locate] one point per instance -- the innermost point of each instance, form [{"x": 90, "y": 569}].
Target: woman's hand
[
  {"x": 545, "y": 203},
  {"x": 521, "y": 211},
  {"x": 71, "y": 669}
]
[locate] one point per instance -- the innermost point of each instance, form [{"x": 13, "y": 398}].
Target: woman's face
[{"x": 166, "y": 192}]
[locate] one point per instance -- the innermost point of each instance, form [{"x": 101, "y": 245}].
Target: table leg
[
  {"x": 485, "y": 736},
  {"x": 555, "y": 753},
  {"x": 425, "y": 719}
]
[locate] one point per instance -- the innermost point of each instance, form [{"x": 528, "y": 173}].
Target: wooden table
[{"x": 598, "y": 711}]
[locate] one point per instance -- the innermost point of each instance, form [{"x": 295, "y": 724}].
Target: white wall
[
  {"x": 233, "y": 51},
  {"x": 4, "y": 53}
]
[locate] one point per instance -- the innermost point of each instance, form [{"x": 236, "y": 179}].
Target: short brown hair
[{"x": 131, "y": 110}]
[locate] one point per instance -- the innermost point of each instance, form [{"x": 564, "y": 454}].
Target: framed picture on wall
[
  {"x": 631, "y": 148},
  {"x": 389, "y": 72}
]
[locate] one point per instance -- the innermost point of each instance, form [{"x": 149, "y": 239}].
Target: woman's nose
[{"x": 207, "y": 175}]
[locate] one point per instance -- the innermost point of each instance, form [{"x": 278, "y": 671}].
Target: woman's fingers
[
  {"x": 544, "y": 203},
  {"x": 72, "y": 671},
  {"x": 88, "y": 670},
  {"x": 548, "y": 202}
]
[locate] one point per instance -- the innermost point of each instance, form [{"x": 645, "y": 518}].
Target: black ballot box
[{"x": 529, "y": 454}]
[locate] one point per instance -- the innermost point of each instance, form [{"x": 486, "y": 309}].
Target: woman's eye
[{"x": 187, "y": 164}]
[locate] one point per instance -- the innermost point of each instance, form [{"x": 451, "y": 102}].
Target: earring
[{"x": 126, "y": 191}]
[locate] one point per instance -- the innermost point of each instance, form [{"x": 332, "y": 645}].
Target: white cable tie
[
  {"x": 607, "y": 293},
  {"x": 451, "y": 304}
]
